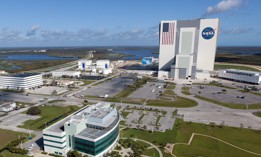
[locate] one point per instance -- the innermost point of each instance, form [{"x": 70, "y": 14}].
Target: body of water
[
  {"x": 138, "y": 54},
  {"x": 34, "y": 57}
]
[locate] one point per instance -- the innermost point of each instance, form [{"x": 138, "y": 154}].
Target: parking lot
[
  {"x": 18, "y": 119},
  {"x": 150, "y": 90},
  {"x": 20, "y": 97},
  {"x": 225, "y": 95},
  {"x": 110, "y": 87},
  {"x": 47, "y": 90},
  {"x": 148, "y": 118}
]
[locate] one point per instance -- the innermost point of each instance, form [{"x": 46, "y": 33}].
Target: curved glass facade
[{"x": 94, "y": 148}]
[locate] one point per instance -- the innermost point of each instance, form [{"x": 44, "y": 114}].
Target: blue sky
[{"x": 120, "y": 22}]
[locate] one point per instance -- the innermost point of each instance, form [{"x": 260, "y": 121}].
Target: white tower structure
[{"x": 187, "y": 48}]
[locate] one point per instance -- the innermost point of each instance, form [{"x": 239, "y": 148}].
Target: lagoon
[
  {"x": 137, "y": 54},
  {"x": 34, "y": 57}
]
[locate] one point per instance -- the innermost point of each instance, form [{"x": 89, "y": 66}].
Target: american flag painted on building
[{"x": 168, "y": 33}]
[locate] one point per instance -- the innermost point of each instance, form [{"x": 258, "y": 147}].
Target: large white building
[
  {"x": 21, "y": 81},
  {"x": 240, "y": 75},
  {"x": 93, "y": 130},
  {"x": 102, "y": 64},
  {"x": 187, "y": 48},
  {"x": 84, "y": 64}
]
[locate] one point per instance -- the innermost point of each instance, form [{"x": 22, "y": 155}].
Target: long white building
[
  {"x": 94, "y": 130},
  {"x": 21, "y": 81},
  {"x": 66, "y": 73},
  {"x": 187, "y": 48},
  {"x": 240, "y": 76}
]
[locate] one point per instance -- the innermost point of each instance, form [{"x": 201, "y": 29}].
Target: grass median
[
  {"x": 229, "y": 105},
  {"x": 185, "y": 90},
  {"x": 49, "y": 115},
  {"x": 179, "y": 102},
  {"x": 258, "y": 114}
]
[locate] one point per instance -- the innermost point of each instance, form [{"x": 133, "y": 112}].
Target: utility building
[{"x": 187, "y": 48}]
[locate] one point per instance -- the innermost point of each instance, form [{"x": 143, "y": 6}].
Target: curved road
[{"x": 152, "y": 145}]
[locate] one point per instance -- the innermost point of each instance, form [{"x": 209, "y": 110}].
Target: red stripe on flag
[{"x": 168, "y": 37}]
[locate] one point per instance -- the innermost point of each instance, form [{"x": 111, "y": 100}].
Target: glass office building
[{"x": 93, "y": 130}]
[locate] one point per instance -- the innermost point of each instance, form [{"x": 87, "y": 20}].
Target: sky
[{"x": 32, "y": 23}]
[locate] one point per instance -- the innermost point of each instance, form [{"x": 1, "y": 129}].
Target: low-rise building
[
  {"x": 66, "y": 73},
  {"x": 142, "y": 72},
  {"x": 240, "y": 75},
  {"x": 21, "y": 81},
  {"x": 7, "y": 106},
  {"x": 93, "y": 130}
]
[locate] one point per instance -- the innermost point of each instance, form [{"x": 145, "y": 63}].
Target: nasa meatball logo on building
[{"x": 208, "y": 33}]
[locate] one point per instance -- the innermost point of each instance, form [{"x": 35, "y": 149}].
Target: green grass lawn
[
  {"x": 182, "y": 131},
  {"x": 180, "y": 102},
  {"x": 50, "y": 114},
  {"x": 125, "y": 114},
  {"x": 54, "y": 101},
  {"x": 7, "y": 136},
  {"x": 168, "y": 92},
  {"x": 226, "y": 66},
  {"x": 151, "y": 152},
  {"x": 229, "y": 105},
  {"x": 148, "y": 151},
  {"x": 6, "y": 153},
  {"x": 203, "y": 146},
  {"x": 86, "y": 82},
  {"x": 258, "y": 114},
  {"x": 185, "y": 90}
]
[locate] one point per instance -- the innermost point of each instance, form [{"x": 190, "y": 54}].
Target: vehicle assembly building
[
  {"x": 187, "y": 48},
  {"x": 94, "y": 130},
  {"x": 21, "y": 81},
  {"x": 245, "y": 76}
]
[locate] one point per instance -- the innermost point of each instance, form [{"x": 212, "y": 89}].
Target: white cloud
[
  {"x": 237, "y": 30},
  {"x": 38, "y": 34},
  {"x": 33, "y": 30},
  {"x": 9, "y": 35},
  {"x": 224, "y": 6}
]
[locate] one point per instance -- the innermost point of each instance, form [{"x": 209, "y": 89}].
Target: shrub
[
  {"x": 74, "y": 153},
  {"x": 33, "y": 110}
]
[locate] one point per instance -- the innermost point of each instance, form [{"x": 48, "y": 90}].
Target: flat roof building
[
  {"x": 6, "y": 106},
  {"x": 66, "y": 73},
  {"x": 84, "y": 64},
  {"x": 102, "y": 64},
  {"x": 187, "y": 48},
  {"x": 21, "y": 81},
  {"x": 245, "y": 76},
  {"x": 93, "y": 130}
]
